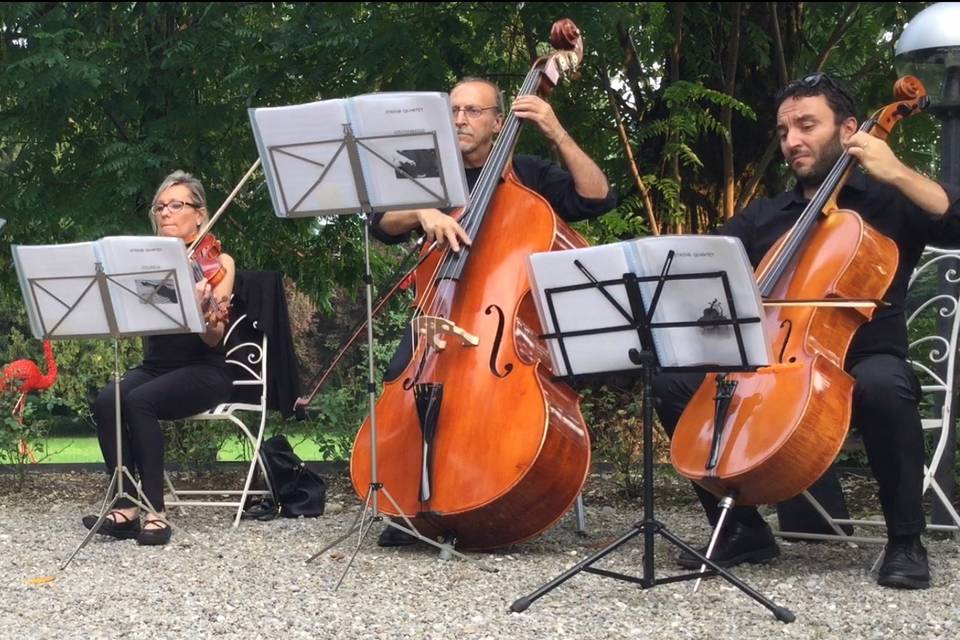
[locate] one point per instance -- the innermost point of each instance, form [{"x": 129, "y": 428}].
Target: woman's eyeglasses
[{"x": 174, "y": 206}]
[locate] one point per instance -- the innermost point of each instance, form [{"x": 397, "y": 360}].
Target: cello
[
  {"x": 784, "y": 424},
  {"x": 478, "y": 443}
]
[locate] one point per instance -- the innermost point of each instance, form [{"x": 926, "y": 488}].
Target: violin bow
[{"x": 223, "y": 207}]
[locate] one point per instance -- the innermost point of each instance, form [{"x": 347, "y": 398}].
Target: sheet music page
[
  {"x": 146, "y": 298},
  {"x": 701, "y": 299},
  {"x": 425, "y": 158},
  {"x": 584, "y": 309},
  {"x": 297, "y": 145},
  {"x": 62, "y": 277}
]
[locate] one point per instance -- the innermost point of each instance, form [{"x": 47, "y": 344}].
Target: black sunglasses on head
[{"x": 812, "y": 81}]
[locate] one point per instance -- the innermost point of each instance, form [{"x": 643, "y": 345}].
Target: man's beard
[{"x": 818, "y": 171}]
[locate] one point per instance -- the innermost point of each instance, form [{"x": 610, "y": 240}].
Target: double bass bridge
[{"x": 436, "y": 330}]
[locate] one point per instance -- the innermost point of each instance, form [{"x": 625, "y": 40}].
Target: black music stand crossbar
[{"x": 639, "y": 318}]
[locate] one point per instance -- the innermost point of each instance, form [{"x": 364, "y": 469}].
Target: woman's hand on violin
[
  {"x": 213, "y": 309},
  {"x": 875, "y": 157},
  {"x": 538, "y": 111},
  {"x": 215, "y": 302},
  {"x": 438, "y": 226},
  {"x": 203, "y": 292}
]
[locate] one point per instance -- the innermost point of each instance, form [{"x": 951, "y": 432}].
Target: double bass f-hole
[
  {"x": 495, "y": 351},
  {"x": 409, "y": 383},
  {"x": 786, "y": 339}
]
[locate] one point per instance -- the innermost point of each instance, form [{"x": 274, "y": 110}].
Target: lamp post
[{"x": 929, "y": 48}]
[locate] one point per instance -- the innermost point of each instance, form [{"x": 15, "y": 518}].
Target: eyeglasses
[
  {"x": 175, "y": 206},
  {"x": 471, "y": 112}
]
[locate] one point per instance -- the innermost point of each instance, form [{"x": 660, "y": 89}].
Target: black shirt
[
  {"x": 177, "y": 350},
  {"x": 546, "y": 178},
  {"x": 888, "y": 211}
]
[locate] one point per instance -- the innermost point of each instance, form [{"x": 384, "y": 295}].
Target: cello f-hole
[
  {"x": 786, "y": 339},
  {"x": 496, "y": 343}
]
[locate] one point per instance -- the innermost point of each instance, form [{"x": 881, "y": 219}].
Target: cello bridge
[{"x": 436, "y": 329}]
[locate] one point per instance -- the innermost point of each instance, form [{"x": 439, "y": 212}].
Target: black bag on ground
[{"x": 297, "y": 490}]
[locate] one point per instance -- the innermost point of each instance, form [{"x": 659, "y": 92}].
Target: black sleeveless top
[{"x": 178, "y": 350}]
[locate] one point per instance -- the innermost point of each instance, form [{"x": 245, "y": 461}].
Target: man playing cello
[{"x": 815, "y": 123}]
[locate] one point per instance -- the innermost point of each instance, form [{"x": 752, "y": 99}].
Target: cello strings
[{"x": 805, "y": 222}]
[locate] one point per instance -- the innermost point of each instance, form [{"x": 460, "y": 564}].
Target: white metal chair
[
  {"x": 933, "y": 356},
  {"x": 248, "y": 362}
]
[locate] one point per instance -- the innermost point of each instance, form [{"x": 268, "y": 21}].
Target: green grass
[{"x": 77, "y": 449}]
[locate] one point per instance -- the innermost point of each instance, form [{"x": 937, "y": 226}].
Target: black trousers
[
  {"x": 886, "y": 396},
  {"x": 147, "y": 396}
]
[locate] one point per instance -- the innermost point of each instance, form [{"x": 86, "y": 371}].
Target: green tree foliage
[{"x": 101, "y": 100}]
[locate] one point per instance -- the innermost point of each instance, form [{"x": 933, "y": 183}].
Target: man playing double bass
[
  {"x": 815, "y": 123},
  {"x": 578, "y": 193}
]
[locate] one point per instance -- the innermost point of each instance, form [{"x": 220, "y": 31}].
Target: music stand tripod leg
[
  {"x": 104, "y": 509},
  {"x": 371, "y": 500},
  {"x": 781, "y": 613},
  {"x": 650, "y": 527},
  {"x": 115, "y": 488}
]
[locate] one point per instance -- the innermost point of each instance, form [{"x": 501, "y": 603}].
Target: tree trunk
[
  {"x": 726, "y": 114},
  {"x": 678, "y": 10}
]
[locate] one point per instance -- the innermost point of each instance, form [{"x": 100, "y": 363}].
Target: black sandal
[
  {"x": 155, "y": 535},
  {"x": 124, "y": 529}
]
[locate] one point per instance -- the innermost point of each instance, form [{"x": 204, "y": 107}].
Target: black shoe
[
  {"x": 124, "y": 529},
  {"x": 904, "y": 564},
  {"x": 393, "y": 537},
  {"x": 736, "y": 546},
  {"x": 155, "y": 535}
]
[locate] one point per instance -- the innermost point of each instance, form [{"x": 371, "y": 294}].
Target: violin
[
  {"x": 205, "y": 262},
  {"x": 204, "y": 253},
  {"x": 766, "y": 436}
]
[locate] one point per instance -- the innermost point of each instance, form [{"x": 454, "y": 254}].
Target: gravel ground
[{"x": 214, "y": 581}]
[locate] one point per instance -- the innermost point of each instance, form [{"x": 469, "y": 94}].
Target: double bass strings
[{"x": 452, "y": 263}]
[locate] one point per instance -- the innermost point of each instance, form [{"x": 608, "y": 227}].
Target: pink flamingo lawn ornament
[{"x": 24, "y": 375}]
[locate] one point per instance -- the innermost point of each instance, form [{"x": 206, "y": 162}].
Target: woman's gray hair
[{"x": 197, "y": 194}]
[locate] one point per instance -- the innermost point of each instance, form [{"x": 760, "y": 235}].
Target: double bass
[
  {"x": 783, "y": 425},
  {"x": 475, "y": 439}
]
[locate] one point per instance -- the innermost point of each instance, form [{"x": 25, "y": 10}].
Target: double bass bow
[
  {"x": 784, "y": 424},
  {"x": 477, "y": 441}
]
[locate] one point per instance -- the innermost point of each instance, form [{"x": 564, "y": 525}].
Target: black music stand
[
  {"x": 351, "y": 147},
  {"x": 647, "y": 360}
]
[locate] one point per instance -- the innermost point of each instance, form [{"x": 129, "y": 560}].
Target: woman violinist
[
  {"x": 181, "y": 374},
  {"x": 816, "y": 124}
]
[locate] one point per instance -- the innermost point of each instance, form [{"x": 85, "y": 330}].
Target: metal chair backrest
[{"x": 933, "y": 322}]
